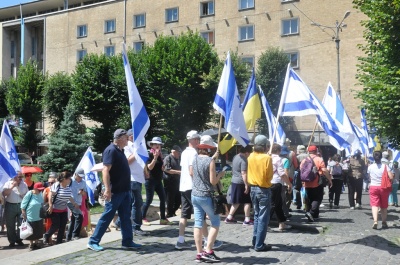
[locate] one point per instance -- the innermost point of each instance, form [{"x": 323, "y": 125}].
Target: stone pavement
[{"x": 341, "y": 236}]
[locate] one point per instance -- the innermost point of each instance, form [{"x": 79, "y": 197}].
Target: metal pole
[{"x": 337, "y": 40}]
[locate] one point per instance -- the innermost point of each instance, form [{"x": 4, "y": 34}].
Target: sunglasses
[{"x": 50, "y": 182}]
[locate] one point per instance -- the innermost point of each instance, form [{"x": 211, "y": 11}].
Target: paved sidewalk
[{"x": 341, "y": 236}]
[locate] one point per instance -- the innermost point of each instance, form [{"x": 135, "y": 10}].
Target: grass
[{"x": 95, "y": 209}]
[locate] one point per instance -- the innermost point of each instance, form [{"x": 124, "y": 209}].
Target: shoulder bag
[
  {"x": 385, "y": 182},
  {"x": 44, "y": 210}
]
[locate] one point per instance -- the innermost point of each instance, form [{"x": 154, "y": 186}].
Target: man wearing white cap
[{"x": 185, "y": 186}]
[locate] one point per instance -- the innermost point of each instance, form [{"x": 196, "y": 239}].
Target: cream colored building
[{"x": 58, "y": 33}]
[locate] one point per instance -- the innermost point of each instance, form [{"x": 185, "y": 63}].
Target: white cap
[{"x": 192, "y": 135}]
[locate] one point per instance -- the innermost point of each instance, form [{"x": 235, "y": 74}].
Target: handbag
[
  {"x": 25, "y": 230},
  {"x": 219, "y": 200},
  {"x": 385, "y": 182},
  {"x": 44, "y": 210}
]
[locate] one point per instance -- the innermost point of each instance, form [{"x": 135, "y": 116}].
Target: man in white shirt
[
  {"x": 14, "y": 191},
  {"x": 185, "y": 186}
]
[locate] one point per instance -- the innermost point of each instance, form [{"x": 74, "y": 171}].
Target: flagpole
[
  {"x": 274, "y": 134},
  {"x": 219, "y": 131},
  {"x": 312, "y": 134}
]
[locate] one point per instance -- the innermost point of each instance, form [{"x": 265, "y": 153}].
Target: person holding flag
[{"x": 78, "y": 188}]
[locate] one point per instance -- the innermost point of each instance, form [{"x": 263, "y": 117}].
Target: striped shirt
[{"x": 63, "y": 195}]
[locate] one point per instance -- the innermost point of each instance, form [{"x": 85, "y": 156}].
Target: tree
[
  {"x": 57, "y": 91},
  {"x": 379, "y": 68},
  {"x": 66, "y": 145},
  {"x": 3, "y": 106},
  {"x": 271, "y": 72},
  {"x": 24, "y": 99},
  {"x": 100, "y": 94},
  {"x": 171, "y": 79}
]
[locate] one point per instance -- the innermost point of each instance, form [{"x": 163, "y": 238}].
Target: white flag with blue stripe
[
  {"x": 140, "y": 119},
  {"x": 395, "y": 153},
  {"x": 7, "y": 170},
  {"x": 91, "y": 178},
  {"x": 298, "y": 100},
  {"x": 280, "y": 135},
  {"x": 334, "y": 106},
  {"x": 227, "y": 103},
  {"x": 7, "y": 143}
]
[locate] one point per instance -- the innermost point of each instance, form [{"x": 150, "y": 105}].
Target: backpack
[
  {"x": 308, "y": 170},
  {"x": 336, "y": 170}
]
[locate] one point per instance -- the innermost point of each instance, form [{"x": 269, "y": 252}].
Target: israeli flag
[
  {"x": 92, "y": 179},
  {"x": 395, "y": 153},
  {"x": 298, "y": 100},
  {"x": 227, "y": 103},
  {"x": 7, "y": 143},
  {"x": 7, "y": 171},
  {"x": 280, "y": 135},
  {"x": 140, "y": 119},
  {"x": 364, "y": 127},
  {"x": 334, "y": 106}
]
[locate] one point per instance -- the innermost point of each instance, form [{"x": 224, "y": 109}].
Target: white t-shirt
[
  {"x": 137, "y": 173},
  {"x": 14, "y": 196},
  {"x": 375, "y": 172},
  {"x": 187, "y": 158},
  {"x": 278, "y": 169}
]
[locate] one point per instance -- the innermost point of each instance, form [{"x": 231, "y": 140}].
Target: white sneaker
[{"x": 358, "y": 206}]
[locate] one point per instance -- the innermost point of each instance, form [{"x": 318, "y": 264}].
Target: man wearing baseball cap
[
  {"x": 78, "y": 188},
  {"x": 185, "y": 186},
  {"x": 315, "y": 192},
  {"x": 117, "y": 194}
]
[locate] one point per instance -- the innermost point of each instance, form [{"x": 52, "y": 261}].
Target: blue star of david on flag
[
  {"x": 12, "y": 154},
  {"x": 90, "y": 176}
]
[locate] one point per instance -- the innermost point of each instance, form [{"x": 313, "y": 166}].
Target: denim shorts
[{"x": 202, "y": 205}]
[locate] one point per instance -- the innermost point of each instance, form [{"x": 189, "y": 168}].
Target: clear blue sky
[{"x": 6, "y": 3}]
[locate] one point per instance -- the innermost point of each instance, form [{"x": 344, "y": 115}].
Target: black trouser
[
  {"x": 354, "y": 185},
  {"x": 75, "y": 225},
  {"x": 314, "y": 196},
  {"x": 335, "y": 190},
  {"x": 276, "y": 202},
  {"x": 58, "y": 222},
  {"x": 173, "y": 196}
]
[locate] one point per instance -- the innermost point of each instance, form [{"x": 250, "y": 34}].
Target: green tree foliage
[
  {"x": 99, "y": 93},
  {"x": 270, "y": 75},
  {"x": 24, "y": 99},
  {"x": 379, "y": 68},
  {"x": 66, "y": 145},
  {"x": 56, "y": 94},
  {"x": 176, "y": 97}
]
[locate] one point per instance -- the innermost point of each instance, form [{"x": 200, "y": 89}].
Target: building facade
[{"x": 59, "y": 33}]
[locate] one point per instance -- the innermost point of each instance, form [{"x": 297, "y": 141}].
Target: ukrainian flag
[{"x": 251, "y": 107}]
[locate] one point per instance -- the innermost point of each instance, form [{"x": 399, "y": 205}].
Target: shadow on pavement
[{"x": 297, "y": 248}]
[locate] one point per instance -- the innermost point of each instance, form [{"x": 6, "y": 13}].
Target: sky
[{"x": 6, "y": 3}]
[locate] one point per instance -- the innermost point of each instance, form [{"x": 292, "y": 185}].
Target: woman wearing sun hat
[
  {"x": 30, "y": 208},
  {"x": 204, "y": 177},
  {"x": 153, "y": 183}
]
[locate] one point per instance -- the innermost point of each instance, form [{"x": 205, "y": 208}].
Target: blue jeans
[
  {"x": 393, "y": 194},
  {"x": 261, "y": 199},
  {"x": 120, "y": 201},
  {"x": 137, "y": 203},
  {"x": 151, "y": 186},
  {"x": 202, "y": 205}
]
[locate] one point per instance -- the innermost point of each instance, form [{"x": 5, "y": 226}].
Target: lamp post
[{"x": 336, "y": 29}]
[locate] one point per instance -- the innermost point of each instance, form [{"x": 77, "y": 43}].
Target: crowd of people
[{"x": 269, "y": 179}]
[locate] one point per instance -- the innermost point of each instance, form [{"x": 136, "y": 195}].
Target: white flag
[{"x": 92, "y": 180}]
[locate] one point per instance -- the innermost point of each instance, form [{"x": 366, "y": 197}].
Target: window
[
  {"x": 109, "y": 26},
  {"x": 12, "y": 52},
  {"x": 139, "y": 21},
  {"x": 294, "y": 59},
  {"x": 80, "y": 54},
  {"x": 12, "y": 70},
  {"x": 81, "y": 31},
  {"x": 171, "y": 15},
  {"x": 33, "y": 46},
  {"x": 208, "y": 36},
  {"x": 246, "y": 33},
  {"x": 246, "y": 4},
  {"x": 207, "y": 8},
  {"x": 290, "y": 26},
  {"x": 138, "y": 46},
  {"x": 109, "y": 50},
  {"x": 249, "y": 61}
]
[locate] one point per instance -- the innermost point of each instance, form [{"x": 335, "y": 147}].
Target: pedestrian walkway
[{"x": 341, "y": 236}]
